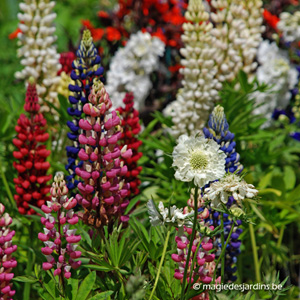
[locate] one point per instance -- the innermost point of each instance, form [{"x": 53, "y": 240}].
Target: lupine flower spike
[
  {"x": 7, "y": 262},
  {"x": 60, "y": 241},
  {"x": 38, "y": 51},
  {"x": 218, "y": 130},
  {"x": 85, "y": 69},
  {"x": 31, "y": 184},
  {"x": 131, "y": 128},
  {"x": 103, "y": 189}
]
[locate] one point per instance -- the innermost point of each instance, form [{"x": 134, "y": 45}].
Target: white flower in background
[
  {"x": 198, "y": 159},
  {"x": 131, "y": 67},
  {"x": 230, "y": 185},
  {"x": 237, "y": 31},
  {"x": 38, "y": 51},
  {"x": 289, "y": 25},
  {"x": 195, "y": 100},
  {"x": 275, "y": 71},
  {"x": 169, "y": 216},
  {"x": 217, "y": 46}
]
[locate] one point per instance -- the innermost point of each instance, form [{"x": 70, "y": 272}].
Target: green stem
[
  {"x": 8, "y": 191},
  {"x": 191, "y": 243},
  {"x": 222, "y": 242},
  {"x": 274, "y": 256},
  {"x": 223, "y": 251},
  {"x": 255, "y": 255},
  {"x": 193, "y": 262},
  {"x": 161, "y": 263},
  {"x": 30, "y": 262}
]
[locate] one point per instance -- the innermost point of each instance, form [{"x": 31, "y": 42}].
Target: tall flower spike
[
  {"x": 60, "y": 241},
  {"x": 38, "y": 51},
  {"x": 85, "y": 69},
  {"x": 237, "y": 34},
  {"x": 204, "y": 258},
  {"x": 218, "y": 130},
  {"x": 131, "y": 128},
  {"x": 195, "y": 100},
  {"x": 103, "y": 190},
  {"x": 7, "y": 262},
  {"x": 31, "y": 184}
]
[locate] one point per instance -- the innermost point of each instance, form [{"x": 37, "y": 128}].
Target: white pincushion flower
[
  {"x": 170, "y": 216},
  {"x": 198, "y": 159},
  {"x": 230, "y": 185},
  {"x": 289, "y": 25},
  {"x": 275, "y": 71},
  {"x": 131, "y": 67}
]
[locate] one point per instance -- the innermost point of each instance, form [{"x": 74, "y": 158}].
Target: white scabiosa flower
[
  {"x": 38, "y": 51},
  {"x": 131, "y": 67},
  {"x": 195, "y": 100},
  {"x": 275, "y": 71},
  {"x": 231, "y": 185},
  {"x": 170, "y": 216},
  {"x": 289, "y": 25},
  {"x": 198, "y": 159}
]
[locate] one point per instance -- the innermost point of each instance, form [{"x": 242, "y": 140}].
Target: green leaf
[
  {"x": 72, "y": 288},
  {"x": 29, "y": 279},
  {"x": 104, "y": 295},
  {"x": 105, "y": 267},
  {"x": 289, "y": 177},
  {"x": 86, "y": 286}
]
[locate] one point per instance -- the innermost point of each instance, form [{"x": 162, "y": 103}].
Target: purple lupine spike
[
  {"x": 7, "y": 262},
  {"x": 103, "y": 188},
  {"x": 60, "y": 241}
]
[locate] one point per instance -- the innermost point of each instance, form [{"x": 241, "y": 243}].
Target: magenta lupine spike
[
  {"x": 7, "y": 262},
  {"x": 103, "y": 189},
  {"x": 60, "y": 241}
]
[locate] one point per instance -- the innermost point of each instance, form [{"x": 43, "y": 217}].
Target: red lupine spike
[
  {"x": 31, "y": 183},
  {"x": 131, "y": 127}
]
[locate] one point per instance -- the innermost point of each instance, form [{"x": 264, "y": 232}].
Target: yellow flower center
[{"x": 198, "y": 160}]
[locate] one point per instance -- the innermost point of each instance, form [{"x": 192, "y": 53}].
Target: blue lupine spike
[{"x": 218, "y": 130}]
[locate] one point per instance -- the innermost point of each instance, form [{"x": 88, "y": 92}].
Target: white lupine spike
[{"x": 37, "y": 45}]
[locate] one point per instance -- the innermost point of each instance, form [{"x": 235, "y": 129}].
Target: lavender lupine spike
[
  {"x": 85, "y": 69},
  {"x": 219, "y": 131},
  {"x": 7, "y": 262},
  {"x": 60, "y": 241},
  {"x": 103, "y": 189}
]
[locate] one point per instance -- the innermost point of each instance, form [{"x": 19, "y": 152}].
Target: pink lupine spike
[
  {"x": 61, "y": 213},
  {"x": 7, "y": 262},
  {"x": 103, "y": 203}
]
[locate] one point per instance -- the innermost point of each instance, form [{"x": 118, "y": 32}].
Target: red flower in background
[
  {"x": 272, "y": 20},
  {"x": 14, "y": 34},
  {"x": 32, "y": 181},
  {"x": 131, "y": 128},
  {"x": 113, "y": 34}
]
